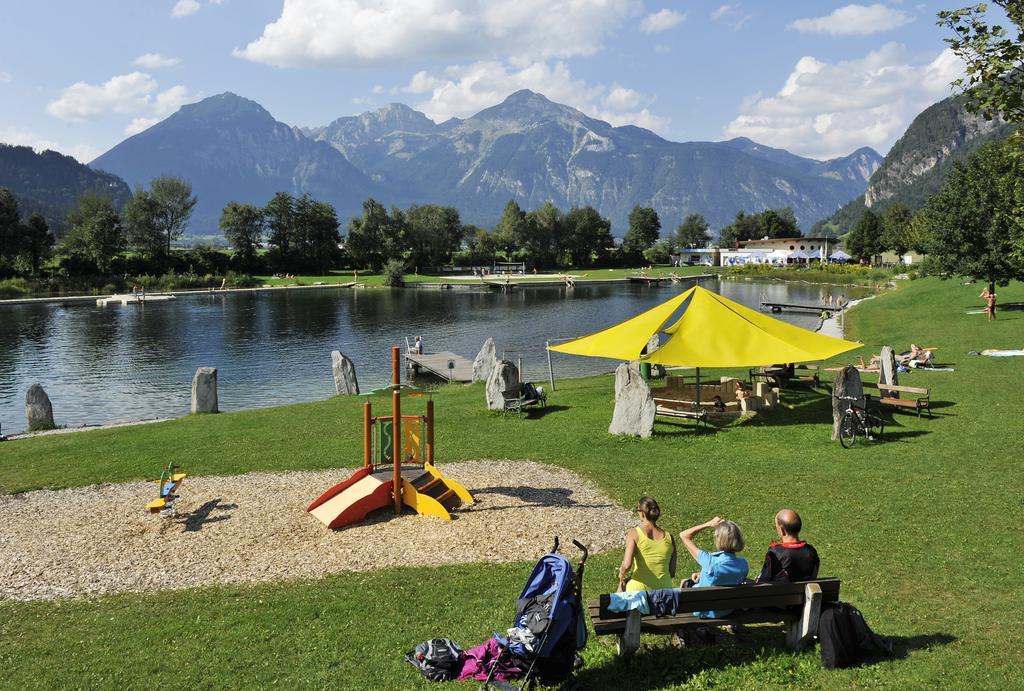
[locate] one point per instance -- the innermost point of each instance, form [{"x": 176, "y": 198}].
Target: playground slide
[{"x": 349, "y": 502}]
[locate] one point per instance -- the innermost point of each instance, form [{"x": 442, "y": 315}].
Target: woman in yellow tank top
[{"x": 650, "y": 552}]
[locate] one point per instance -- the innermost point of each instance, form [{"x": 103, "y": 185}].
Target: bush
[
  {"x": 239, "y": 280},
  {"x": 394, "y": 273},
  {"x": 13, "y": 288}
]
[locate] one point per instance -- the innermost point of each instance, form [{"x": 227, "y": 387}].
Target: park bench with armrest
[
  {"x": 777, "y": 375},
  {"x": 522, "y": 396},
  {"x": 796, "y": 606},
  {"x": 920, "y": 400},
  {"x": 666, "y": 408}
]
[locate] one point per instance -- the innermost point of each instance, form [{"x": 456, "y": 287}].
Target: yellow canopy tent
[{"x": 713, "y": 331}]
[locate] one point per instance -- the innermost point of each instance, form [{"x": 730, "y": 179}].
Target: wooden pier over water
[
  {"x": 784, "y": 306},
  {"x": 461, "y": 369}
]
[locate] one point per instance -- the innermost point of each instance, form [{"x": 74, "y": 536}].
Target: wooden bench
[
  {"x": 522, "y": 396},
  {"x": 665, "y": 408},
  {"x": 777, "y": 375},
  {"x": 920, "y": 401},
  {"x": 794, "y": 605}
]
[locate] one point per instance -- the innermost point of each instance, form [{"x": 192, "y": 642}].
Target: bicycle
[{"x": 857, "y": 420}]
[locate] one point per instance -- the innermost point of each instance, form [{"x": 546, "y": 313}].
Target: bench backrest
[
  {"x": 904, "y": 389},
  {"x": 740, "y": 597},
  {"x": 512, "y": 394}
]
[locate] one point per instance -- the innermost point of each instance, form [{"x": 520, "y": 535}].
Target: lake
[{"x": 109, "y": 364}]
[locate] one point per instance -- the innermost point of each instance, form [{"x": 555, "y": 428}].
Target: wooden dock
[
  {"x": 445, "y": 365},
  {"x": 132, "y": 299},
  {"x": 783, "y": 306},
  {"x": 649, "y": 280}
]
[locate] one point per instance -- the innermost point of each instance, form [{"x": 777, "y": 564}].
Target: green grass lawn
[{"x": 923, "y": 528}]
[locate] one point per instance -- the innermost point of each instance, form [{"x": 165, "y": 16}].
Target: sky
[{"x": 820, "y": 79}]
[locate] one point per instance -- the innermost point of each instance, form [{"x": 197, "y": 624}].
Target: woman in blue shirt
[{"x": 721, "y": 567}]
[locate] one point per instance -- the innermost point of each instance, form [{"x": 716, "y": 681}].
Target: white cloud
[
  {"x": 463, "y": 90},
  {"x": 153, "y": 61},
  {"x": 732, "y": 15},
  {"x": 347, "y": 33},
  {"x": 140, "y": 124},
  {"x": 183, "y": 8},
  {"x": 136, "y": 94},
  {"x": 825, "y": 110},
  {"x": 662, "y": 20},
  {"x": 22, "y": 137},
  {"x": 851, "y": 20},
  {"x": 6, "y": 77}
]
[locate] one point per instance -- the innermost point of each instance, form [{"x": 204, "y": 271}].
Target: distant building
[
  {"x": 780, "y": 251},
  {"x": 702, "y": 256}
]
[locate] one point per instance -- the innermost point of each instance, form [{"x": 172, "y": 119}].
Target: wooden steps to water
[
  {"x": 132, "y": 299},
  {"x": 446, "y": 365}
]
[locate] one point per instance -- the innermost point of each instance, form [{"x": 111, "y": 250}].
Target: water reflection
[{"x": 128, "y": 362}]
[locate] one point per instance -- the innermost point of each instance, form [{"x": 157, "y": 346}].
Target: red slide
[{"x": 348, "y": 502}]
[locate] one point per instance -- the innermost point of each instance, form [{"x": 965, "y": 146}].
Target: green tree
[
  {"x": 896, "y": 228},
  {"x": 316, "y": 225},
  {"x": 511, "y": 230},
  {"x": 864, "y": 242},
  {"x": 539, "y": 235},
  {"x": 159, "y": 216},
  {"x": 481, "y": 246},
  {"x": 974, "y": 218},
  {"x": 10, "y": 232},
  {"x": 742, "y": 228},
  {"x": 778, "y": 223},
  {"x": 36, "y": 244},
  {"x": 434, "y": 234},
  {"x": 659, "y": 253},
  {"x": 371, "y": 237},
  {"x": 279, "y": 217},
  {"x": 694, "y": 231},
  {"x": 919, "y": 232},
  {"x": 142, "y": 230},
  {"x": 644, "y": 229},
  {"x": 243, "y": 225},
  {"x": 96, "y": 235},
  {"x": 586, "y": 236},
  {"x": 994, "y": 59},
  {"x": 175, "y": 203}
]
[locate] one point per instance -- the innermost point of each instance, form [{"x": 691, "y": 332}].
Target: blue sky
[{"x": 818, "y": 78}]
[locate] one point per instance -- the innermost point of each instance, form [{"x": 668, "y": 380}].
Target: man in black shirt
[{"x": 791, "y": 559}]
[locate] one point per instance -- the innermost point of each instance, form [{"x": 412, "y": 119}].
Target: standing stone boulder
[
  {"x": 847, "y": 383},
  {"x": 345, "y": 382},
  {"x": 503, "y": 377},
  {"x": 634, "y": 404},
  {"x": 204, "y": 390},
  {"x": 38, "y": 409},
  {"x": 887, "y": 373},
  {"x": 485, "y": 361}
]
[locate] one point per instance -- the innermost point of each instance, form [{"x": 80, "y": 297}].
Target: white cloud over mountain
[
  {"x": 662, "y": 20},
  {"x": 462, "y": 90},
  {"x": 17, "y": 136},
  {"x": 826, "y": 110},
  {"x": 854, "y": 20},
  {"x": 136, "y": 94},
  {"x": 350, "y": 33}
]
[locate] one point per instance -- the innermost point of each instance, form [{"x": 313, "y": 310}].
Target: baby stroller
[{"x": 549, "y": 628}]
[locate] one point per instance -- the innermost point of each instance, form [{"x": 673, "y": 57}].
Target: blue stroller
[{"x": 549, "y": 626}]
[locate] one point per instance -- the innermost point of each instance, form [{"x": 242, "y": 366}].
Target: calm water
[{"x": 122, "y": 363}]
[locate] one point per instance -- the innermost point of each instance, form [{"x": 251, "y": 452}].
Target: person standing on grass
[
  {"x": 989, "y": 296},
  {"x": 791, "y": 559},
  {"x": 650, "y": 552},
  {"x": 721, "y": 567}
]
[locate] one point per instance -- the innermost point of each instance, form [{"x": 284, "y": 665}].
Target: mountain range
[
  {"x": 919, "y": 162},
  {"x": 48, "y": 183},
  {"x": 526, "y": 148}
]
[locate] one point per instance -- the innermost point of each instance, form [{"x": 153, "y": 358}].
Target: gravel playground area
[{"x": 254, "y": 528}]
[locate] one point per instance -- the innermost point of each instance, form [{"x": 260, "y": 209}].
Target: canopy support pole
[{"x": 697, "y": 404}]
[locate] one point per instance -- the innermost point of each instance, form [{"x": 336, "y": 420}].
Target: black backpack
[
  {"x": 438, "y": 659},
  {"x": 846, "y": 639}
]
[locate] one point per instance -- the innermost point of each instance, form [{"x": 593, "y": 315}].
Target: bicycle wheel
[
  {"x": 877, "y": 427},
  {"x": 847, "y": 429}
]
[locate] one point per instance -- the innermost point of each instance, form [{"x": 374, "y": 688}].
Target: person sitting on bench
[
  {"x": 721, "y": 567},
  {"x": 650, "y": 552},
  {"x": 791, "y": 559}
]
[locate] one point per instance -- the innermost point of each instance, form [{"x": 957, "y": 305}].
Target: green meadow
[{"x": 922, "y": 527}]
